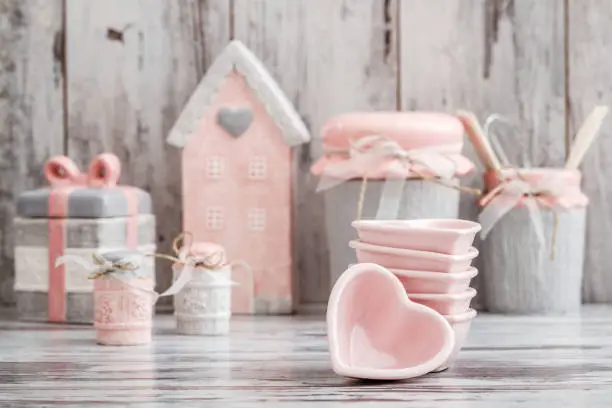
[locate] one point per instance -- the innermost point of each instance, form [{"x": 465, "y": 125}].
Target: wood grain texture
[
  {"x": 31, "y": 114},
  {"x": 507, "y": 362},
  {"x": 489, "y": 56},
  {"x": 329, "y": 57},
  {"x": 131, "y": 67},
  {"x": 590, "y": 84},
  {"x": 525, "y": 278}
]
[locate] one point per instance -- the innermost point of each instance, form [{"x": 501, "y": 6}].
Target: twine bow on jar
[
  {"x": 369, "y": 153},
  {"x": 100, "y": 267},
  {"x": 125, "y": 270},
  {"x": 209, "y": 264}
]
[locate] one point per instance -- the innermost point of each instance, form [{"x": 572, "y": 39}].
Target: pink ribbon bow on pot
[
  {"x": 550, "y": 191},
  {"x": 371, "y": 152}
]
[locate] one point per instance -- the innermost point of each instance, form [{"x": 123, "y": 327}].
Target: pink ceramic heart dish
[
  {"x": 400, "y": 258},
  {"x": 445, "y": 236},
  {"x": 376, "y": 332}
]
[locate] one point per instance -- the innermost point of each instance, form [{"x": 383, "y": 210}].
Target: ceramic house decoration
[
  {"x": 78, "y": 214},
  {"x": 237, "y": 132}
]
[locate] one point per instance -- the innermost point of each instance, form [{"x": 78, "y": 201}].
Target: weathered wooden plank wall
[
  {"x": 490, "y": 57},
  {"x": 590, "y": 83},
  {"x": 131, "y": 66},
  {"x": 116, "y": 73},
  {"x": 31, "y": 108}
]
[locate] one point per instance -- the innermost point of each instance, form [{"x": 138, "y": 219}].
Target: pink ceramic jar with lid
[{"x": 416, "y": 147}]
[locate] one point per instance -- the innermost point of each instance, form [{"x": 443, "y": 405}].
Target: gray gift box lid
[{"x": 83, "y": 203}]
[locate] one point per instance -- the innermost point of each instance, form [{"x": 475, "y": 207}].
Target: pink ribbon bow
[
  {"x": 103, "y": 171},
  {"x": 370, "y": 152},
  {"x": 548, "y": 191}
]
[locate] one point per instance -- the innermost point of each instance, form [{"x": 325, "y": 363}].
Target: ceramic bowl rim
[
  {"x": 461, "y": 317},
  {"x": 469, "y": 293},
  {"x": 469, "y": 273},
  {"x": 360, "y": 245},
  {"x": 377, "y": 373},
  {"x": 472, "y": 227}
]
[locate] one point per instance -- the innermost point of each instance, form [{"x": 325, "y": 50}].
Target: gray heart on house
[{"x": 235, "y": 121}]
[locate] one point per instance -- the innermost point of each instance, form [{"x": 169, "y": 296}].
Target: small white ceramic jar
[{"x": 203, "y": 306}]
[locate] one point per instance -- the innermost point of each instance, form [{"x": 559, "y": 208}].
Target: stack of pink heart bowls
[{"x": 432, "y": 258}]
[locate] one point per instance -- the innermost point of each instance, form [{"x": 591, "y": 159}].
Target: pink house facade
[{"x": 237, "y": 132}]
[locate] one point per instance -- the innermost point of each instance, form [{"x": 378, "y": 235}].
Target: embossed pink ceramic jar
[{"x": 122, "y": 313}]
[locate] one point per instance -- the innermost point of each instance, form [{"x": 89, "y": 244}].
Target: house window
[
  {"x": 214, "y": 167},
  {"x": 257, "y": 219},
  {"x": 214, "y": 218},
  {"x": 258, "y": 168}
]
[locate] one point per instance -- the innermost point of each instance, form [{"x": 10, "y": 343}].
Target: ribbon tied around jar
[
  {"x": 371, "y": 152},
  {"x": 126, "y": 269},
  {"x": 549, "y": 191},
  {"x": 209, "y": 264}
]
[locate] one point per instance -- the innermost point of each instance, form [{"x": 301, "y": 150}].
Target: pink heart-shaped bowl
[
  {"x": 434, "y": 282},
  {"x": 375, "y": 332},
  {"x": 461, "y": 326},
  {"x": 446, "y": 236},
  {"x": 397, "y": 258},
  {"x": 445, "y": 303}
]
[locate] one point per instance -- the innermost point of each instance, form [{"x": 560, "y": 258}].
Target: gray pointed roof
[{"x": 237, "y": 56}]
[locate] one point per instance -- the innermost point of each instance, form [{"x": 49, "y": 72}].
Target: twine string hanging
[{"x": 181, "y": 246}]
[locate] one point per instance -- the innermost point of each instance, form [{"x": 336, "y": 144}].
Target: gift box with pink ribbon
[
  {"x": 388, "y": 165},
  {"x": 77, "y": 214},
  {"x": 533, "y": 225}
]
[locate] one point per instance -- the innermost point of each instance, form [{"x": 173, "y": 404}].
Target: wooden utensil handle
[{"x": 479, "y": 140}]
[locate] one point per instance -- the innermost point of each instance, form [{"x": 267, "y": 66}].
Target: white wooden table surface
[{"x": 275, "y": 362}]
